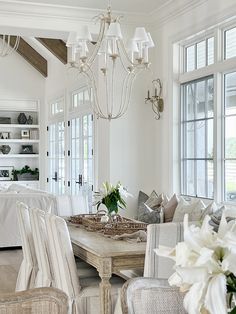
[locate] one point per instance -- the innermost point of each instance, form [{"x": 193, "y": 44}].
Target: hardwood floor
[{"x": 10, "y": 261}]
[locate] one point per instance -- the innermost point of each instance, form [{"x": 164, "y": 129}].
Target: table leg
[{"x": 105, "y": 286}]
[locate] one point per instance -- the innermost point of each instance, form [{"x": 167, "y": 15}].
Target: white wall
[
  {"x": 19, "y": 80},
  {"x": 186, "y": 23}
]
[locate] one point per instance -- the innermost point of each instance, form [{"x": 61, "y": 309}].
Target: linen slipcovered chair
[
  {"x": 37, "y": 221},
  {"x": 34, "y": 301},
  {"x": 152, "y": 294},
  {"x": 83, "y": 292},
  {"x": 29, "y": 267}
]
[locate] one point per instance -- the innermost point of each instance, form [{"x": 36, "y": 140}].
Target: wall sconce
[{"x": 156, "y": 100}]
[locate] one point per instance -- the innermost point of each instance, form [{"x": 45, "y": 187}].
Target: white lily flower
[
  {"x": 124, "y": 193},
  {"x": 202, "y": 262},
  {"x": 215, "y": 299}
]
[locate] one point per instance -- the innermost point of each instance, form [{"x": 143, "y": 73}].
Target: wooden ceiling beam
[
  {"x": 56, "y": 46},
  {"x": 31, "y": 55}
]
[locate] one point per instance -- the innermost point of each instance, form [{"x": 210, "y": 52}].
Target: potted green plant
[{"x": 25, "y": 174}]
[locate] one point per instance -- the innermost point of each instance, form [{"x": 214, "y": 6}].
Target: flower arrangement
[
  {"x": 205, "y": 266},
  {"x": 25, "y": 170},
  {"x": 112, "y": 197}
]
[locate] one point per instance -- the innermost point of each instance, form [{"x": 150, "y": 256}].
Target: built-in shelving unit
[{"x": 23, "y": 138}]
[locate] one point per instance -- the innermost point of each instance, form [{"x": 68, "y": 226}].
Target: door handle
[
  {"x": 80, "y": 182},
  {"x": 55, "y": 177}
]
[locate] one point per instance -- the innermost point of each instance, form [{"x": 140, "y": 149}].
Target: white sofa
[{"x": 9, "y": 231}]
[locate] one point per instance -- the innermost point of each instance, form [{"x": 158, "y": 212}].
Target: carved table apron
[{"x": 108, "y": 256}]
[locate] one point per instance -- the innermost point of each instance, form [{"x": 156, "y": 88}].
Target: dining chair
[
  {"x": 29, "y": 267},
  {"x": 39, "y": 233},
  {"x": 34, "y": 301},
  {"x": 83, "y": 292},
  {"x": 152, "y": 294}
]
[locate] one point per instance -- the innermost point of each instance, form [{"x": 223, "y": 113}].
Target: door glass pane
[
  {"x": 210, "y": 138},
  {"x": 210, "y": 178},
  {"x": 230, "y": 93},
  {"x": 230, "y": 180},
  {"x": 190, "y": 96}
]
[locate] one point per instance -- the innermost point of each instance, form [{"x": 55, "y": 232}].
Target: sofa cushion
[{"x": 169, "y": 208}]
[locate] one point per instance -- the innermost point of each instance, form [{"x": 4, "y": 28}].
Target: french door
[
  {"x": 56, "y": 158},
  {"x": 81, "y": 162}
]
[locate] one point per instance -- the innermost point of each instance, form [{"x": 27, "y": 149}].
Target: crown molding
[{"x": 172, "y": 9}]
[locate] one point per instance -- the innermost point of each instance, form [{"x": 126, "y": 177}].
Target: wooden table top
[{"x": 103, "y": 246}]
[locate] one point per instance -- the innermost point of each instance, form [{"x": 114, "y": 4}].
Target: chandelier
[
  {"x": 112, "y": 66},
  {"x": 9, "y": 45}
]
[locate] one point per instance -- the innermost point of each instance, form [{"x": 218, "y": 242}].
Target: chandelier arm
[
  {"x": 96, "y": 107},
  {"x": 99, "y": 41},
  {"x": 126, "y": 54},
  {"x": 127, "y": 95},
  {"x": 6, "y": 45},
  {"x": 125, "y": 91},
  {"x": 121, "y": 60}
]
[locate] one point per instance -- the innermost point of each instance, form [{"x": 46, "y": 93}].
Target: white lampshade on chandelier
[
  {"x": 9, "y": 45},
  {"x": 119, "y": 63}
]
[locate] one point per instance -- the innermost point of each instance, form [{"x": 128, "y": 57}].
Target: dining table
[{"x": 108, "y": 256}]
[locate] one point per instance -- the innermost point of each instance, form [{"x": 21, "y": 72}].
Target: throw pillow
[
  {"x": 209, "y": 210},
  {"x": 149, "y": 216},
  {"x": 148, "y": 207},
  {"x": 165, "y": 200},
  {"x": 154, "y": 201},
  {"x": 194, "y": 210},
  {"x": 169, "y": 208}
]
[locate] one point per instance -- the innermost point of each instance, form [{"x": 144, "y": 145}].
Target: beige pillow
[
  {"x": 209, "y": 210},
  {"x": 169, "y": 208},
  {"x": 194, "y": 210},
  {"x": 154, "y": 201}
]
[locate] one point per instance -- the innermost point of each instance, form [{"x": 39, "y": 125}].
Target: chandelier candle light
[{"x": 118, "y": 63}]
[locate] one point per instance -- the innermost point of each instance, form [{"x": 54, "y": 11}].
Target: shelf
[
  {"x": 19, "y": 156},
  {"x": 18, "y": 141},
  {"x": 20, "y": 126}
]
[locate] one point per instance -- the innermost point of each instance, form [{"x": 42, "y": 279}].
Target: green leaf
[{"x": 233, "y": 311}]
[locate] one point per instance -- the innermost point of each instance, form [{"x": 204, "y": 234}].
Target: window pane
[
  {"x": 210, "y": 178},
  {"x": 230, "y": 137},
  {"x": 230, "y": 180},
  {"x": 200, "y": 99},
  {"x": 230, "y": 93},
  {"x": 190, "y": 95},
  {"x": 190, "y": 140},
  {"x": 190, "y": 189},
  {"x": 201, "y": 139},
  {"x": 210, "y": 138},
  {"x": 201, "y": 177},
  {"x": 210, "y": 50},
  {"x": 201, "y": 54},
  {"x": 190, "y": 54},
  {"x": 230, "y": 43},
  {"x": 210, "y": 94}
]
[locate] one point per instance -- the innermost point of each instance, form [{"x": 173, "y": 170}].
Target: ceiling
[{"x": 134, "y": 6}]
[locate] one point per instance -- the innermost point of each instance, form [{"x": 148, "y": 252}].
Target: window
[
  {"x": 199, "y": 54},
  {"x": 197, "y": 138},
  {"x": 81, "y": 97},
  {"x": 208, "y": 116},
  {"x": 57, "y": 107}
]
